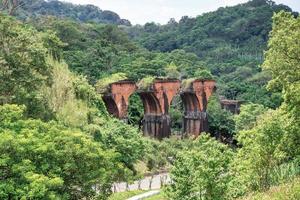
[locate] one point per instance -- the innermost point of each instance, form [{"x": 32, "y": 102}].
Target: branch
[{"x": 5, "y": 4}]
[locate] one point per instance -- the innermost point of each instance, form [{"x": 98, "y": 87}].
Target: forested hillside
[
  {"x": 57, "y": 140},
  {"x": 60, "y": 9},
  {"x": 230, "y": 43}
]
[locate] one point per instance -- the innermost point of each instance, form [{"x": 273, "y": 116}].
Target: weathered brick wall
[
  {"x": 195, "y": 101},
  {"x": 157, "y": 100}
]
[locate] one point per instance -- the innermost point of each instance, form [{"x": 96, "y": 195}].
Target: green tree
[
  {"x": 171, "y": 71},
  {"x": 282, "y": 59},
  {"x": 23, "y": 66},
  {"x": 221, "y": 123},
  {"x": 123, "y": 139},
  {"x": 270, "y": 143},
  {"x": 48, "y": 161},
  {"x": 248, "y": 116},
  {"x": 201, "y": 172}
]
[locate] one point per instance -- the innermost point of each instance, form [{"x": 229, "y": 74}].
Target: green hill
[
  {"x": 80, "y": 13},
  {"x": 229, "y": 41}
]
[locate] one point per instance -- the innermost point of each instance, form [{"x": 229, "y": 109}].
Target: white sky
[{"x": 160, "y": 11}]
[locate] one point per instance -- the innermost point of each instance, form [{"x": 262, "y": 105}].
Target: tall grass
[{"x": 284, "y": 172}]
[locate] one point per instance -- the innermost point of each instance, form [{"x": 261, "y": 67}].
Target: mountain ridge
[{"x": 61, "y": 9}]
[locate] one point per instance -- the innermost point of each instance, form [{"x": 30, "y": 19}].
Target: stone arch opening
[
  {"x": 135, "y": 111},
  {"x": 116, "y": 98},
  {"x": 152, "y": 120},
  {"x": 156, "y": 100},
  {"x": 176, "y": 112},
  {"x": 192, "y": 114},
  {"x": 151, "y": 103},
  {"x": 190, "y": 102},
  {"x": 111, "y": 106}
]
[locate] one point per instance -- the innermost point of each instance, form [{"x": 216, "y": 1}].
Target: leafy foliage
[
  {"x": 263, "y": 149},
  {"x": 221, "y": 123},
  {"x": 80, "y": 13},
  {"x": 248, "y": 116},
  {"x": 45, "y": 160},
  {"x": 203, "y": 74},
  {"x": 23, "y": 65},
  {"x": 201, "y": 172},
  {"x": 282, "y": 58}
]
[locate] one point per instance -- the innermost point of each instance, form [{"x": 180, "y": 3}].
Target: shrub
[
  {"x": 48, "y": 161},
  {"x": 187, "y": 83},
  {"x": 201, "y": 172},
  {"x": 203, "y": 74},
  {"x": 146, "y": 83},
  {"x": 272, "y": 142},
  {"x": 103, "y": 84}
]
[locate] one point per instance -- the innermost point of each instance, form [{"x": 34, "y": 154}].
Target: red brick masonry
[{"x": 157, "y": 99}]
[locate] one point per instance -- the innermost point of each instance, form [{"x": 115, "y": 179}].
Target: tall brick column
[
  {"x": 157, "y": 100},
  {"x": 116, "y": 99},
  {"x": 195, "y": 100}
]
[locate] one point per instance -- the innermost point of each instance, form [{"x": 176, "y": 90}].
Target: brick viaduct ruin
[{"x": 157, "y": 100}]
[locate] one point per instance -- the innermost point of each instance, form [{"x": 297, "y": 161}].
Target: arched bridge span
[{"x": 156, "y": 101}]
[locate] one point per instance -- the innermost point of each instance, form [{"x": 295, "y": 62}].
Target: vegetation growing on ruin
[
  {"x": 146, "y": 83},
  {"x": 102, "y": 85}
]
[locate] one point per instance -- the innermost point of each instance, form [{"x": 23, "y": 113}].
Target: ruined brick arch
[
  {"x": 117, "y": 97},
  {"x": 195, "y": 99},
  {"x": 157, "y": 100}
]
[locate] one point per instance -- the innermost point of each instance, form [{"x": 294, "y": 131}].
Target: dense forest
[
  {"x": 230, "y": 43},
  {"x": 87, "y": 13},
  {"x": 57, "y": 140}
]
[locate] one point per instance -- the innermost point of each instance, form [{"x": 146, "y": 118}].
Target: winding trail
[{"x": 145, "y": 195}]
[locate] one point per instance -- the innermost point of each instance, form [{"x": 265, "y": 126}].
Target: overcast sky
[{"x": 160, "y": 11}]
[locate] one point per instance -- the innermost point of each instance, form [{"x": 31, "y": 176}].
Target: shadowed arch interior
[
  {"x": 190, "y": 102},
  {"x": 111, "y": 106},
  {"x": 204, "y": 102},
  {"x": 151, "y": 103}
]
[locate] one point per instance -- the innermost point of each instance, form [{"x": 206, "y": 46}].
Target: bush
[
  {"x": 146, "y": 83},
  {"x": 286, "y": 191},
  {"x": 103, "y": 84},
  {"x": 259, "y": 163},
  {"x": 204, "y": 75},
  {"x": 201, "y": 172},
  {"x": 221, "y": 123},
  {"x": 248, "y": 116},
  {"x": 187, "y": 83},
  {"x": 47, "y": 161},
  {"x": 123, "y": 139}
]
